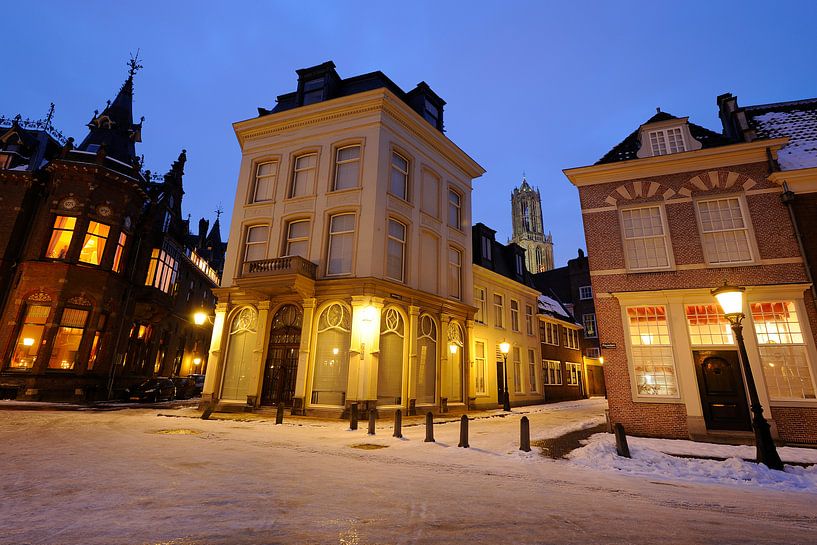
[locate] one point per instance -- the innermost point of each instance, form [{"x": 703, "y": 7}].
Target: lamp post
[
  {"x": 730, "y": 298},
  {"x": 505, "y": 347}
]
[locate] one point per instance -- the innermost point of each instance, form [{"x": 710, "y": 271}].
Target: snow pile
[
  {"x": 600, "y": 453},
  {"x": 801, "y": 127}
]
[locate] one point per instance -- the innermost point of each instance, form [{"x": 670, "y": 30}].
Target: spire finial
[
  {"x": 134, "y": 65},
  {"x": 219, "y": 211},
  {"x": 658, "y": 110}
]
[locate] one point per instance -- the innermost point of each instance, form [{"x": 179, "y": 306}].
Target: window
[
  {"x": 482, "y": 305},
  {"x": 550, "y": 333},
  {"x": 431, "y": 113},
  {"x": 94, "y": 351},
  {"x": 313, "y": 90},
  {"x": 592, "y": 352},
  {"x": 667, "y": 141},
  {"x": 532, "y": 370},
  {"x": 303, "y": 176},
  {"x": 427, "y": 360},
  {"x": 255, "y": 247},
  {"x": 520, "y": 264},
  {"x": 265, "y": 176},
  {"x": 708, "y": 326},
  {"x": 479, "y": 367},
  {"x": 390, "y": 366},
  {"x": 572, "y": 371},
  {"x": 645, "y": 244},
  {"x": 341, "y": 244},
  {"x": 499, "y": 311},
  {"x": 94, "y": 244},
  {"x": 585, "y": 292},
  {"x": 782, "y": 350},
  {"x": 396, "y": 251},
  {"x": 724, "y": 231},
  {"x": 162, "y": 270},
  {"x": 30, "y": 337},
  {"x": 529, "y": 319},
  {"x": 514, "y": 315},
  {"x": 166, "y": 222},
  {"x": 69, "y": 335},
  {"x": 653, "y": 364},
  {"x": 297, "y": 238},
  {"x": 399, "y": 176},
  {"x": 589, "y": 321},
  {"x": 347, "y": 167},
  {"x": 332, "y": 355},
  {"x": 61, "y": 237},
  {"x": 454, "y": 273},
  {"x": 454, "y": 209},
  {"x": 517, "y": 370},
  {"x": 431, "y": 194},
  {"x": 571, "y": 338},
  {"x": 552, "y": 372},
  {"x": 118, "y": 264},
  {"x": 486, "y": 248}
]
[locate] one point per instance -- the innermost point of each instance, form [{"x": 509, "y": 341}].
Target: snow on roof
[
  {"x": 552, "y": 306},
  {"x": 800, "y": 125}
]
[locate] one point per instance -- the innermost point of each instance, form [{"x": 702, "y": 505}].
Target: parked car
[
  {"x": 185, "y": 387},
  {"x": 153, "y": 390},
  {"x": 199, "y": 380}
]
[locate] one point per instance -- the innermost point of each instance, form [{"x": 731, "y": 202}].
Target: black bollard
[
  {"x": 372, "y": 420},
  {"x": 524, "y": 434},
  {"x": 464, "y": 432},
  {"x": 429, "y": 428},
  {"x": 279, "y": 414},
  {"x": 353, "y": 416},
  {"x": 622, "y": 448},
  {"x": 208, "y": 410},
  {"x": 398, "y": 424}
]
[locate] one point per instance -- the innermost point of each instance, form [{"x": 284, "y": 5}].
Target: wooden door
[{"x": 723, "y": 396}]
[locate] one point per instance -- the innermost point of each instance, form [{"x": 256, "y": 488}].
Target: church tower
[{"x": 528, "y": 232}]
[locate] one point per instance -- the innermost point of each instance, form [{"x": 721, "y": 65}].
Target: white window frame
[
  {"x": 591, "y": 330},
  {"x": 405, "y": 174},
  {"x": 650, "y": 341},
  {"x": 402, "y": 244},
  {"x": 307, "y": 191},
  {"x": 271, "y": 179},
  {"x": 455, "y": 272},
  {"x": 529, "y": 319},
  {"x": 668, "y": 141},
  {"x": 480, "y": 364},
  {"x": 571, "y": 338},
  {"x": 481, "y": 300},
  {"x": 533, "y": 388},
  {"x": 290, "y": 239},
  {"x": 572, "y": 373},
  {"x": 248, "y": 244},
  {"x": 718, "y": 234},
  {"x": 455, "y": 208},
  {"x": 340, "y": 162},
  {"x": 331, "y": 235},
  {"x": 631, "y": 241},
  {"x": 516, "y": 354},
  {"x": 556, "y": 367},
  {"x": 499, "y": 310},
  {"x": 592, "y": 352},
  {"x": 585, "y": 293},
  {"x": 551, "y": 335},
  {"x": 514, "y": 315}
]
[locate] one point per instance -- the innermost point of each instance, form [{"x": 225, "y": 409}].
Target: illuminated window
[
  {"x": 514, "y": 315},
  {"x": 652, "y": 360},
  {"x": 708, "y": 326},
  {"x": 265, "y": 176},
  {"x": 783, "y": 353},
  {"x": 532, "y": 370},
  {"x": 725, "y": 233},
  {"x": 499, "y": 310},
  {"x": 454, "y": 273},
  {"x": 426, "y": 373},
  {"x": 61, "y": 237},
  {"x": 94, "y": 351},
  {"x": 390, "y": 361},
  {"x": 517, "y": 370},
  {"x": 552, "y": 372},
  {"x": 303, "y": 176},
  {"x": 645, "y": 243},
  {"x": 30, "y": 337},
  {"x": 592, "y": 352},
  {"x": 69, "y": 336},
  {"x": 529, "y": 319},
  {"x": 297, "y": 238},
  {"x": 482, "y": 305},
  {"x": 667, "y": 141},
  {"x": 571, "y": 338},
  {"x": 550, "y": 333},
  {"x": 94, "y": 244},
  {"x": 341, "y": 244},
  {"x": 454, "y": 209},
  {"x": 255, "y": 245},
  {"x": 396, "y": 251},
  {"x": 479, "y": 367},
  {"x": 161, "y": 270},
  {"x": 398, "y": 185},
  {"x": 347, "y": 167},
  {"x": 118, "y": 264},
  {"x": 572, "y": 373},
  {"x": 589, "y": 321}
]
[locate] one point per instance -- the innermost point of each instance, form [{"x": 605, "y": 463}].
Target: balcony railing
[{"x": 281, "y": 265}]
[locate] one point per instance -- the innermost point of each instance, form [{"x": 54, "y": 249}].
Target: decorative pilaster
[
  {"x": 215, "y": 362},
  {"x": 256, "y": 370},
  {"x": 307, "y": 329},
  {"x": 410, "y": 369}
]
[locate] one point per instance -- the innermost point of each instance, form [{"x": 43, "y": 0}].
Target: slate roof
[
  {"x": 627, "y": 148},
  {"x": 798, "y": 121}
]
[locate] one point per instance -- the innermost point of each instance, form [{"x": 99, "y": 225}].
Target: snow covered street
[{"x": 153, "y": 476}]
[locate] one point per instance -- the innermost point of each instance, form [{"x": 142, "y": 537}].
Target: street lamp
[
  {"x": 505, "y": 347},
  {"x": 199, "y": 318},
  {"x": 730, "y": 298}
]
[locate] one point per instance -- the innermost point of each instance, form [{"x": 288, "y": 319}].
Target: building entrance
[
  {"x": 282, "y": 356},
  {"x": 723, "y": 396}
]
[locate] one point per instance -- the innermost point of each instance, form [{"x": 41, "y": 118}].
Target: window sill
[
  {"x": 17, "y": 370},
  {"x": 344, "y": 190},
  {"x": 258, "y": 204},
  {"x": 300, "y": 198},
  {"x": 794, "y": 403},
  {"x": 399, "y": 198},
  {"x": 656, "y": 270},
  {"x": 753, "y": 263}
]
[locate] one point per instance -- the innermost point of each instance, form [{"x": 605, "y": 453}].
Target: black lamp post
[
  {"x": 730, "y": 299},
  {"x": 505, "y": 347}
]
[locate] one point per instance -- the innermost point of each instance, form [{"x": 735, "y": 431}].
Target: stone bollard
[
  {"x": 398, "y": 424},
  {"x": 429, "y": 428},
  {"x": 622, "y": 448},
  {"x": 208, "y": 410},
  {"x": 464, "y": 432},
  {"x": 353, "y": 416},
  {"x": 524, "y": 434},
  {"x": 372, "y": 420},
  {"x": 279, "y": 414}
]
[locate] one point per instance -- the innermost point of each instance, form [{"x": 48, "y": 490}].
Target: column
[
  {"x": 215, "y": 363},
  {"x": 410, "y": 369},
  {"x": 444, "y": 369},
  {"x": 468, "y": 364},
  {"x": 256, "y": 378}
]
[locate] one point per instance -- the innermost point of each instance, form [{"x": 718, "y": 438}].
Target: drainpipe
[{"x": 787, "y": 198}]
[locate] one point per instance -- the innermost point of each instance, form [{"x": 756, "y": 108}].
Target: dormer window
[
  {"x": 666, "y": 141},
  {"x": 431, "y": 113},
  {"x": 313, "y": 91}
]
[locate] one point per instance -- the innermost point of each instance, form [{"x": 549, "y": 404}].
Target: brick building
[
  {"x": 670, "y": 213},
  {"x": 96, "y": 286}
]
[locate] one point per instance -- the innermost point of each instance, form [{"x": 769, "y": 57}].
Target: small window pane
[
  {"x": 347, "y": 167},
  {"x": 399, "y": 176}
]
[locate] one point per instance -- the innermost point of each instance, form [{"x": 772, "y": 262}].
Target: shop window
[
  {"x": 652, "y": 360},
  {"x": 427, "y": 360},
  {"x": 332, "y": 356},
  {"x": 30, "y": 336},
  {"x": 390, "y": 367}
]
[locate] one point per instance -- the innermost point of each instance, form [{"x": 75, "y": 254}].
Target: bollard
[
  {"x": 398, "y": 424},
  {"x": 429, "y": 428},
  {"x": 622, "y": 448},
  {"x": 464, "y": 432},
  {"x": 372, "y": 420},
  {"x": 208, "y": 410},
  {"x": 279, "y": 414},
  {"x": 524, "y": 434},
  {"x": 353, "y": 416}
]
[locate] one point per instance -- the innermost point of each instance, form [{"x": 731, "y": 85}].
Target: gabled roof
[
  {"x": 627, "y": 148},
  {"x": 796, "y": 120}
]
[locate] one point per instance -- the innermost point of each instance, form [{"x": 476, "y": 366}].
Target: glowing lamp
[
  {"x": 197, "y": 361},
  {"x": 504, "y": 347},
  {"x": 453, "y": 348},
  {"x": 335, "y": 351},
  {"x": 730, "y": 298},
  {"x": 199, "y": 318},
  {"x": 28, "y": 341},
  {"x": 601, "y": 360}
]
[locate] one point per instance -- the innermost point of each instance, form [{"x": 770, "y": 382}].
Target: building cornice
[
  {"x": 803, "y": 180},
  {"x": 703, "y": 159}
]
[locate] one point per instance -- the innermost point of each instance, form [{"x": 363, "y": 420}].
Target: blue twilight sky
[{"x": 530, "y": 86}]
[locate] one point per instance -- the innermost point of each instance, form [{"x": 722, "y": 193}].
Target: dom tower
[{"x": 526, "y": 206}]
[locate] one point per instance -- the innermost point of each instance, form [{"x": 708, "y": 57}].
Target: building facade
[
  {"x": 348, "y": 272},
  {"x": 670, "y": 213},
  {"x": 528, "y": 228},
  {"x": 566, "y": 374}
]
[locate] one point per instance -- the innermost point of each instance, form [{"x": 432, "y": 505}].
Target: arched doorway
[
  {"x": 390, "y": 362},
  {"x": 282, "y": 356},
  {"x": 454, "y": 371},
  {"x": 238, "y": 361}
]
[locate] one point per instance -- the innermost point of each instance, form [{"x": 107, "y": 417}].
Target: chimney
[{"x": 203, "y": 226}]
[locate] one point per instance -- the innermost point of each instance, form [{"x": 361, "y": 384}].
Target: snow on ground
[{"x": 162, "y": 476}]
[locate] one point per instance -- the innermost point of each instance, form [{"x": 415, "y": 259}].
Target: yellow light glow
[
  {"x": 335, "y": 351},
  {"x": 142, "y": 331},
  {"x": 601, "y": 360},
  {"x": 730, "y": 298},
  {"x": 28, "y": 341},
  {"x": 646, "y": 338},
  {"x": 199, "y": 318},
  {"x": 504, "y": 347},
  {"x": 453, "y": 348},
  {"x": 196, "y": 361}
]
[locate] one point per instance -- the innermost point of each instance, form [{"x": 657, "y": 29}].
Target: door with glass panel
[{"x": 282, "y": 356}]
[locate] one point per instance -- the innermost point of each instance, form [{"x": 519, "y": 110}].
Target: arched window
[
  {"x": 455, "y": 355},
  {"x": 426, "y": 360},
  {"x": 390, "y": 363},
  {"x": 539, "y": 263},
  {"x": 238, "y": 362},
  {"x": 332, "y": 356},
  {"x": 31, "y": 329}
]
